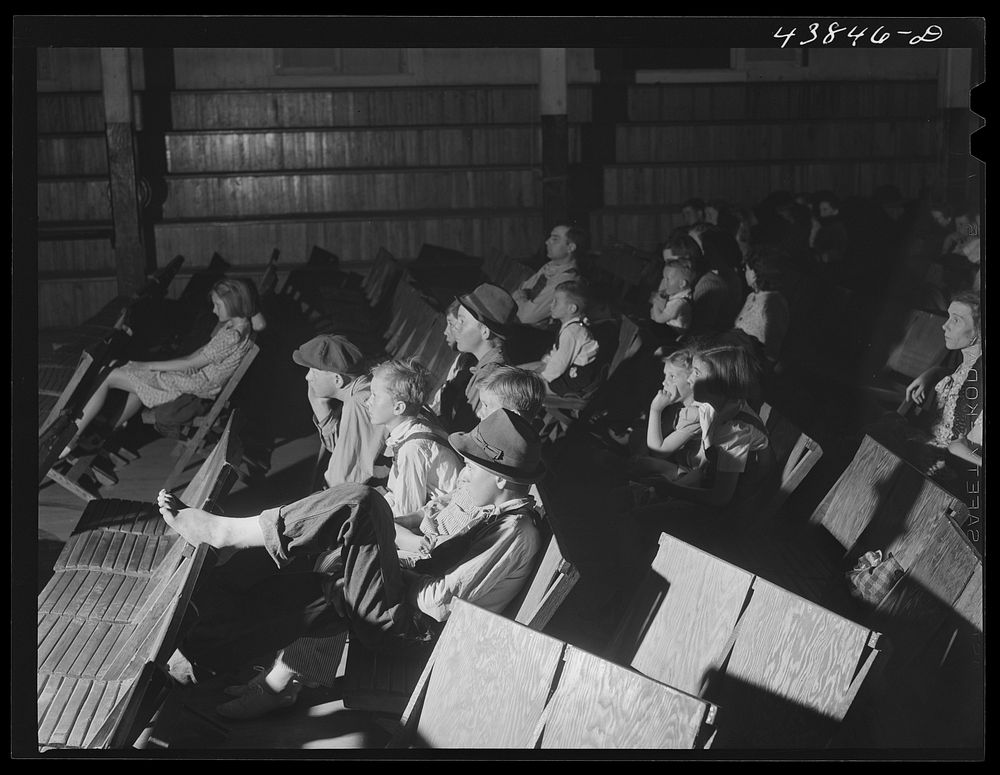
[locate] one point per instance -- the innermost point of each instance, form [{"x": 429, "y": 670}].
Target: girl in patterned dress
[{"x": 202, "y": 373}]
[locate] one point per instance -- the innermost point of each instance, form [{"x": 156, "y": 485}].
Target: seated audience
[
  {"x": 338, "y": 391},
  {"x": 571, "y": 366},
  {"x": 765, "y": 315},
  {"x": 673, "y": 429},
  {"x": 517, "y": 390},
  {"x": 673, "y": 303},
  {"x": 534, "y": 297},
  {"x": 423, "y": 465},
  {"x": 693, "y": 212},
  {"x": 203, "y": 373},
  {"x": 479, "y": 548},
  {"x": 484, "y": 320},
  {"x": 828, "y": 236},
  {"x": 952, "y": 394},
  {"x": 458, "y": 374},
  {"x": 718, "y": 294},
  {"x": 734, "y": 458}
]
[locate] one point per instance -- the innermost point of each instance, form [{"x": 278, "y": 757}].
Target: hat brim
[
  {"x": 464, "y": 446},
  {"x": 302, "y": 361},
  {"x": 500, "y": 329}
]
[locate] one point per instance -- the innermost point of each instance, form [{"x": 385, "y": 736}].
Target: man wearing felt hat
[
  {"x": 479, "y": 547},
  {"x": 338, "y": 388},
  {"x": 485, "y": 318}
]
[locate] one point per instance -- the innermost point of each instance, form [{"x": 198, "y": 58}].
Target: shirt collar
[
  {"x": 399, "y": 433},
  {"x": 552, "y": 268},
  {"x": 494, "y": 356}
]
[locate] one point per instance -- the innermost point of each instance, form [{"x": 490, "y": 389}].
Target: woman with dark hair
[
  {"x": 954, "y": 391},
  {"x": 765, "y": 315}
]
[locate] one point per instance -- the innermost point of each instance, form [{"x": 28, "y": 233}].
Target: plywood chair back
[
  {"x": 551, "y": 584},
  {"x": 485, "y": 685},
  {"x": 384, "y": 683},
  {"x": 858, "y": 494},
  {"x": 922, "y": 345},
  {"x": 187, "y": 448},
  {"x": 794, "y": 671},
  {"x": 795, "y": 452},
  {"x": 679, "y": 628},
  {"x": 269, "y": 279},
  {"x": 600, "y": 705}
]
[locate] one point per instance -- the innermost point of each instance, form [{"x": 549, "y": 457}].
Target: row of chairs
[{"x": 109, "y": 616}]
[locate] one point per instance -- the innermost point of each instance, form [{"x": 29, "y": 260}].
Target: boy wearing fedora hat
[
  {"x": 479, "y": 548},
  {"x": 337, "y": 380},
  {"x": 480, "y": 327}
]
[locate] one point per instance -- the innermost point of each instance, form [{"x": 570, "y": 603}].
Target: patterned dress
[{"x": 225, "y": 350}]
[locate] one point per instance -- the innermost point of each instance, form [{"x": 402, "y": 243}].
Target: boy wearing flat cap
[
  {"x": 484, "y": 320},
  {"x": 337, "y": 380},
  {"x": 480, "y": 548}
]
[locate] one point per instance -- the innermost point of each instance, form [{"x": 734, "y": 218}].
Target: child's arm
[{"x": 655, "y": 440}]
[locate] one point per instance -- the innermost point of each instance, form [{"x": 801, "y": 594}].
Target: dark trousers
[{"x": 237, "y": 624}]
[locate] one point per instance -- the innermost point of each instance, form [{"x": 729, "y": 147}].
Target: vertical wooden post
[
  {"x": 954, "y": 84},
  {"x": 130, "y": 254},
  {"x": 555, "y": 135}
]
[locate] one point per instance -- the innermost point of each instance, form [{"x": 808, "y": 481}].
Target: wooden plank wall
[
  {"x": 354, "y": 169},
  {"x": 739, "y": 142}
]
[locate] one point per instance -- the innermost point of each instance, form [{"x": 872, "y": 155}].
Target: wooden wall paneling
[
  {"x": 70, "y": 112},
  {"x": 77, "y": 199},
  {"x": 750, "y": 181},
  {"x": 355, "y": 107},
  {"x": 790, "y": 140},
  {"x": 77, "y": 155},
  {"x": 302, "y": 149},
  {"x": 358, "y": 238},
  {"x": 69, "y": 302},
  {"x": 669, "y": 632},
  {"x": 491, "y": 682},
  {"x": 601, "y": 705},
  {"x": 281, "y": 194},
  {"x": 76, "y": 255},
  {"x": 791, "y": 672}
]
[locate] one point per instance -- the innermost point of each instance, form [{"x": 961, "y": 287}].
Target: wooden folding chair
[
  {"x": 794, "y": 671},
  {"x": 384, "y": 683},
  {"x": 494, "y": 680},
  {"x": 109, "y": 617},
  {"x": 785, "y": 670},
  {"x": 269, "y": 279},
  {"x": 921, "y": 347},
  {"x": 598, "y": 704},
  {"x": 492, "y": 683},
  {"x": 796, "y": 454},
  {"x": 188, "y": 447}
]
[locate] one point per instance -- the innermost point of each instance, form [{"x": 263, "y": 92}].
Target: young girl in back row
[
  {"x": 673, "y": 430},
  {"x": 202, "y": 373}
]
